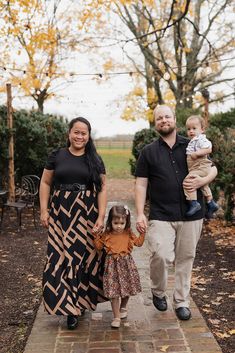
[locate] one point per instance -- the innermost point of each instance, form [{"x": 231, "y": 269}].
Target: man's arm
[
  {"x": 141, "y": 185},
  {"x": 196, "y": 182}
]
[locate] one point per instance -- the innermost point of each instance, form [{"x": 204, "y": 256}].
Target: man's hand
[
  {"x": 193, "y": 183},
  {"x": 141, "y": 223}
]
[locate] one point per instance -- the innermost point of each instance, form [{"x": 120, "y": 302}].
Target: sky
[{"x": 102, "y": 104}]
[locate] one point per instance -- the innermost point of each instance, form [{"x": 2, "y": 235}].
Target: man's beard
[{"x": 166, "y": 132}]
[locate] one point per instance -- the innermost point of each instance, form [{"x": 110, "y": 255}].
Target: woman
[{"x": 72, "y": 279}]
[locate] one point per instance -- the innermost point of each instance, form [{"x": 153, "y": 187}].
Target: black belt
[{"x": 71, "y": 187}]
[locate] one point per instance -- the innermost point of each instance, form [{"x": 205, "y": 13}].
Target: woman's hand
[
  {"x": 44, "y": 217},
  {"x": 98, "y": 227}
]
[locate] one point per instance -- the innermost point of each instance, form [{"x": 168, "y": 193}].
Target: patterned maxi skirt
[
  {"x": 121, "y": 277},
  {"x": 72, "y": 278}
]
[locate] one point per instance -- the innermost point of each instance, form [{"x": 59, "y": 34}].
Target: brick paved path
[{"x": 146, "y": 330}]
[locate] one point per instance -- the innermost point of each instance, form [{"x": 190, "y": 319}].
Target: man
[{"x": 172, "y": 238}]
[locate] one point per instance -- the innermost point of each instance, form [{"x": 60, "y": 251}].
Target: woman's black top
[{"x": 70, "y": 169}]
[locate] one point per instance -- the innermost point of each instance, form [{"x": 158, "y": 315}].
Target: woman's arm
[
  {"x": 44, "y": 194},
  {"x": 102, "y": 203}
]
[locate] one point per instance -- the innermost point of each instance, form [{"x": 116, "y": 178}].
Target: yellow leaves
[
  {"x": 187, "y": 50},
  {"x": 36, "y": 83},
  {"x": 128, "y": 113},
  {"x": 164, "y": 348},
  {"x": 15, "y": 31},
  {"x": 108, "y": 65},
  {"x": 151, "y": 97},
  {"x": 138, "y": 91},
  {"x": 232, "y": 332},
  {"x": 149, "y": 115},
  {"x": 222, "y": 335},
  {"x": 169, "y": 96}
]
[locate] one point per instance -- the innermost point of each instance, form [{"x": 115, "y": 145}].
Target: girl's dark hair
[
  {"x": 92, "y": 157},
  {"x": 118, "y": 211}
]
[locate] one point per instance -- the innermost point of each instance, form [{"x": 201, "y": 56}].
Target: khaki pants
[
  {"x": 173, "y": 242},
  {"x": 200, "y": 167}
]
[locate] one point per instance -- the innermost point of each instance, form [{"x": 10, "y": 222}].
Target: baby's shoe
[
  {"x": 116, "y": 322},
  {"x": 123, "y": 313},
  {"x": 194, "y": 206},
  {"x": 211, "y": 208}
]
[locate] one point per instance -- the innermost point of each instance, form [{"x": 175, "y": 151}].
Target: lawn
[{"x": 116, "y": 162}]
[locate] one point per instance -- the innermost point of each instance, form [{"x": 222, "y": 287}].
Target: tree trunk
[{"x": 11, "y": 169}]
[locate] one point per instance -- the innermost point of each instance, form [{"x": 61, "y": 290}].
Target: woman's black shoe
[{"x": 72, "y": 322}]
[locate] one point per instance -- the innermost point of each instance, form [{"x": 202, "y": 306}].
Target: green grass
[{"x": 116, "y": 162}]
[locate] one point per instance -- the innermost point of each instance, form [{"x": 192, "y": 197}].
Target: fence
[{"x": 111, "y": 144}]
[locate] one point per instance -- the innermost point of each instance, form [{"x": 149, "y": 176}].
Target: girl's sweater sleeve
[
  {"x": 138, "y": 240},
  {"x": 99, "y": 242}
]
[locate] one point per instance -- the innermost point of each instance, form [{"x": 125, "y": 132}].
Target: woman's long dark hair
[{"x": 92, "y": 157}]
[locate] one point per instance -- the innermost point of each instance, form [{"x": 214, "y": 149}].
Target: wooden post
[
  {"x": 11, "y": 170},
  {"x": 206, "y": 96}
]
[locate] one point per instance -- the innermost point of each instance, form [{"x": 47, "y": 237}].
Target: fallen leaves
[
  {"x": 221, "y": 334},
  {"x": 212, "y": 279}
]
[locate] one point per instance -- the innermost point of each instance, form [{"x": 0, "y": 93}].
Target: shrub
[
  {"x": 35, "y": 135},
  {"x": 141, "y": 138},
  {"x": 223, "y": 156}
]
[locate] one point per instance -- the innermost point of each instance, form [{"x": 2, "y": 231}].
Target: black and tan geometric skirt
[{"x": 73, "y": 274}]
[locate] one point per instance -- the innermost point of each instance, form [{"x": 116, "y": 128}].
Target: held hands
[
  {"x": 98, "y": 227},
  {"x": 44, "y": 217},
  {"x": 141, "y": 223}
]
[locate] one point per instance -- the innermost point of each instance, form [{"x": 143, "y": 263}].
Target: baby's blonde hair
[{"x": 199, "y": 118}]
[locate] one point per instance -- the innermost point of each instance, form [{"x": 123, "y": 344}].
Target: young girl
[{"x": 121, "y": 278}]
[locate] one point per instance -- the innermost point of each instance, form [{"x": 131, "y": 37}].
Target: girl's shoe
[
  {"x": 123, "y": 313},
  {"x": 72, "y": 322},
  {"x": 116, "y": 322}
]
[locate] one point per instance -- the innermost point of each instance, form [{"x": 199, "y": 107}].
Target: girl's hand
[
  {"x": 98, "y": 227},
  {"x": 44, "y": 217}
]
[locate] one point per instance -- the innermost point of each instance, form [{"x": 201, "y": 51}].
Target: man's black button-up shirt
[{"x": 166, "y": 169}]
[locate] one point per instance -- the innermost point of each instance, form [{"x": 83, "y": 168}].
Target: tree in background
[
  {"x": 185, "y": 46},
  {"x": 37, "y": 38}
]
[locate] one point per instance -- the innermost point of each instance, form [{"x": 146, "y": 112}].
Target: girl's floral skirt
[{"x": 121, "y": 277}]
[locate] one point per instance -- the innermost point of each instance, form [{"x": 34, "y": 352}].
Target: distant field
[{"x": 116, "y": 162}]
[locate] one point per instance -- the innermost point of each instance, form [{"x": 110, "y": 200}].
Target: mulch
[{"x": 22, "y": 258}]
